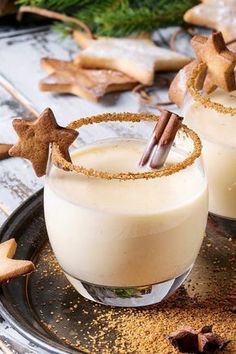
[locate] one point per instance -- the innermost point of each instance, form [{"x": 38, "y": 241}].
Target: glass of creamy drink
[
  {"x": 218, "y": 135},
  {"x": 126, "y": 235}
]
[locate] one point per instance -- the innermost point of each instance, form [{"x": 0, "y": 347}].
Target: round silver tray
[{"x": 50, "y": 313}]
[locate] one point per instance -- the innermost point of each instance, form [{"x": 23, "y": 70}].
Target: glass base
[
  {"x": 222, "y": 217},
  {"x": 128, "y": 297}
]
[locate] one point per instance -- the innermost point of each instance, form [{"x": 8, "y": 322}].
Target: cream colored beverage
[
  {"x": 125, "y": 233},
  {"x": 218, "y": 134}
]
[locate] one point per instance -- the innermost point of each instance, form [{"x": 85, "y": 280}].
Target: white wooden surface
[{"x": 19, "y": 63}]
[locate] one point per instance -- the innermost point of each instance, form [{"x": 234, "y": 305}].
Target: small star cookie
[
  {"x": 219, "y": 60},
  {"x": 220, "y": 15},
  {"x": 67, "y": 77},
  {"x": 12, "y": 268},
  {"x": 220, "y": 63},
  {"x": 36, "y": 137},
  {"x": 138, "y": 58}
]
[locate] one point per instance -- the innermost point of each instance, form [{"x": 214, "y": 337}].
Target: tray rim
[{"x": 8, "y": 312}]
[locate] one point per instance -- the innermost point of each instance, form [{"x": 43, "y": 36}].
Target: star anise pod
[{"x": 188, "y": 340}]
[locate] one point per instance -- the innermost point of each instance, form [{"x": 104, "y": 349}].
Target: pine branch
[
  {"x": 91, "y": 14},
  {"x": 125, "y": 20},
  {"x": 119, "y": 17}
]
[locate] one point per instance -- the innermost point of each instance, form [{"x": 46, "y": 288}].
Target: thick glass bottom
[{"x": 131, "y": 296}]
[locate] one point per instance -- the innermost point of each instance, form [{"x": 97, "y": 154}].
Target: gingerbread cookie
[
  {"x": 12, "y": 268},
  {"x": 36, "y": 136},
  {"x": 138, "y": 58},
  {"x": 220, "y": 15},
  {"x": 220, "y": 63},
  {"x": 67, "y": 77},
  {"x": 219, "y": 60}
]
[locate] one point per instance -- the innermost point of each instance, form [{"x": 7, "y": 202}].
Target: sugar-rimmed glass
[
  {"x": 213, "y": 117},
  {"x": 126, "y": 236}
]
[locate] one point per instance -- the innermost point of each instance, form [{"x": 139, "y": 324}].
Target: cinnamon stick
[
  {"x": 157, "y": 132},
  {"x": 4, "y": 148},
  {"x": 161, "y": 140}
]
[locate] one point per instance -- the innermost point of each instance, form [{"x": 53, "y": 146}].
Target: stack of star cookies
[{"x": 107, "y": 65}]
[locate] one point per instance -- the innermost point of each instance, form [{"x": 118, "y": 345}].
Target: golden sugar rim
[
  {"x": 204, "y": 100},
  {"x": 61, "y": 162}
]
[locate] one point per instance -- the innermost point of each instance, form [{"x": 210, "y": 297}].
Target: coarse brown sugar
[{"x": 208, "y": 297}]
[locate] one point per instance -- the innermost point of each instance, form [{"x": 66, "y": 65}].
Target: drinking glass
[
  {"x": 125, "y": 235},
  {"x": 217, "y": 133}
]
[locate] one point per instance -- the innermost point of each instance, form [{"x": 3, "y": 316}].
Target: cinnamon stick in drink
[
  {"x": 161, "y": 150},
  {"x": 161, "y": 140},
  {"x": 156, "y": 135}
]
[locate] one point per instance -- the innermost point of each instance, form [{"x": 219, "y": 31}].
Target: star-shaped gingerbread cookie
[
  {"x": 12, "y": 268},
  {"x": 67, "y": 77},
  {"x": 178, "y": 87},
  {"x": 220, "y": 63},
  {"x": 36, "y": 137},
  {"x": 220, "y": 15},
  {"x": 219, "y": 60},
  {"x": 138, "y": 58}
]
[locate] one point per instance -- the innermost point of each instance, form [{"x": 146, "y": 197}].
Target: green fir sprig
[{"x": 119, "y": 17}]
